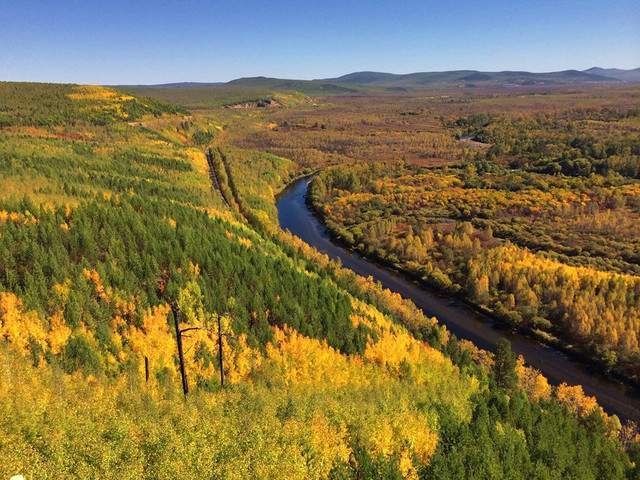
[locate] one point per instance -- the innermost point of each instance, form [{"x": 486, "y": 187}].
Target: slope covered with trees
[
  {"x": 115, "y": 244},
  {"x": 577, "y": 142}
]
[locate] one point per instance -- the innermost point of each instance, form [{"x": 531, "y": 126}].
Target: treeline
[
  {"x": 577, "y": 143},
  {"x": 45, "y": 105}
]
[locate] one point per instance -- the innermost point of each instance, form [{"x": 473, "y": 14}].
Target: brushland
[{"x": 113, "y": 237}]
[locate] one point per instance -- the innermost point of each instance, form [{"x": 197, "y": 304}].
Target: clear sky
[{"x": 144, "y": 41}]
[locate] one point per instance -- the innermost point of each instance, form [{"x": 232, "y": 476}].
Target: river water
[{"x": 294, "y": 215}]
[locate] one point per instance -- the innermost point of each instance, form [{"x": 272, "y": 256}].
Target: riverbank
[
  {"x": 578, "y": 352},
  {"x": 459, "y": 317}
]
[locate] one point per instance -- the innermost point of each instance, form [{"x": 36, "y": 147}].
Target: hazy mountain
[
  {"x": 465, "y": 77},
  {"x": 364, "y": 78},
  {"x": 178, "y": 85},
  {"x": 307, "y": 86},
  {"x": 366, "y": 81},
  {"x": 631, "y": 76},
  {"x": 391, "y": 81}
]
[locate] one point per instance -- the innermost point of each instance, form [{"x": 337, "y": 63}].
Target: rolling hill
[
  {"x": 630, "y": 76},
  {"x": 206, "y": 94},
  {"x": 465, "y": 77},
  {"x": 356, "y": 81}
]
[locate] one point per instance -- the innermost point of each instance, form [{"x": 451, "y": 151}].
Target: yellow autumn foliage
[
  {"x": 17, "y": 217},
  {"x": 534, "y": 384},
  {"x": 302, "y": 360},
  {"x": 245, "y": 242},
  {"x": 326, "y": 444},
  {"x": 62, "y": 290},
  {"x": 574, "y": 398},
  {"x": 307, "y": 443},
  {"x": 403, "y": 434},
  {"x": 241, "y": 359},
  {"x": 91, "y": 92},
  {"x": 94, "y": 277},
  {"x": 154, "y": 339},
  {"x": 392, "y": 349},
  {"x": 59, "y": 332},
  {"x": 406, "y": 467},
  {"x": 18, "y": 327}
]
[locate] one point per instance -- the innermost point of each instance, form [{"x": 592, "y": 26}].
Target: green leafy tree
[{"x": 505, "y": 365}]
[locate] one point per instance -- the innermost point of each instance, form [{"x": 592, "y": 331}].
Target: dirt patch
[{"x": 260, "y": 103}]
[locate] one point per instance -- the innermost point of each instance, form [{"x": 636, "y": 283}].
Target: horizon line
[{"x": 223, "y": 82}]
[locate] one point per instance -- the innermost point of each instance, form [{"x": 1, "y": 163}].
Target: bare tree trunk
[
  {"x": 183, "y": 372},
  {"x": 220, "y": 352},
  {"x": 146, "y": 369}
]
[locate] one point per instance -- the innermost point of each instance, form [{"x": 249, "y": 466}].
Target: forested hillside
[{"x": 129, "y": 226}]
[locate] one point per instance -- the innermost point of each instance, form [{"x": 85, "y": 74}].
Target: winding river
[{"x": 294, "y": 215}]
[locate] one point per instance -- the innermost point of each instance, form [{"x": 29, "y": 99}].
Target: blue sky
[{"x": 143, "y": 41}]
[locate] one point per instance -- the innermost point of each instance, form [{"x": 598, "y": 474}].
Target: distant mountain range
[
  {"x": 466, "y": 77},
  {"x": 631, "y": 76},
  {"x": 379, "y": 81}
]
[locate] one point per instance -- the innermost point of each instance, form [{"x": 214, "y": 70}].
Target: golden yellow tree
[
  {"x": 153, "y": 340},
  {"x": 21, "y": 329}
]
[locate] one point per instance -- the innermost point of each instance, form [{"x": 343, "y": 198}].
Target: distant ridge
[
  {"x": 182, "y": 85},
  {"x": 366, "y": 77},
  {"x": 359, "y": 82},
  {"x": 466, "y": 76},
  {"x": 623, "y": 75}
]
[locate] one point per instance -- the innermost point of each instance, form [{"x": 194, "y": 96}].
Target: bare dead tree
[
  {"x": 183, "y": 373},
  {"x": 179, "y": 335},
  {"x": 220, "y": 350}
]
